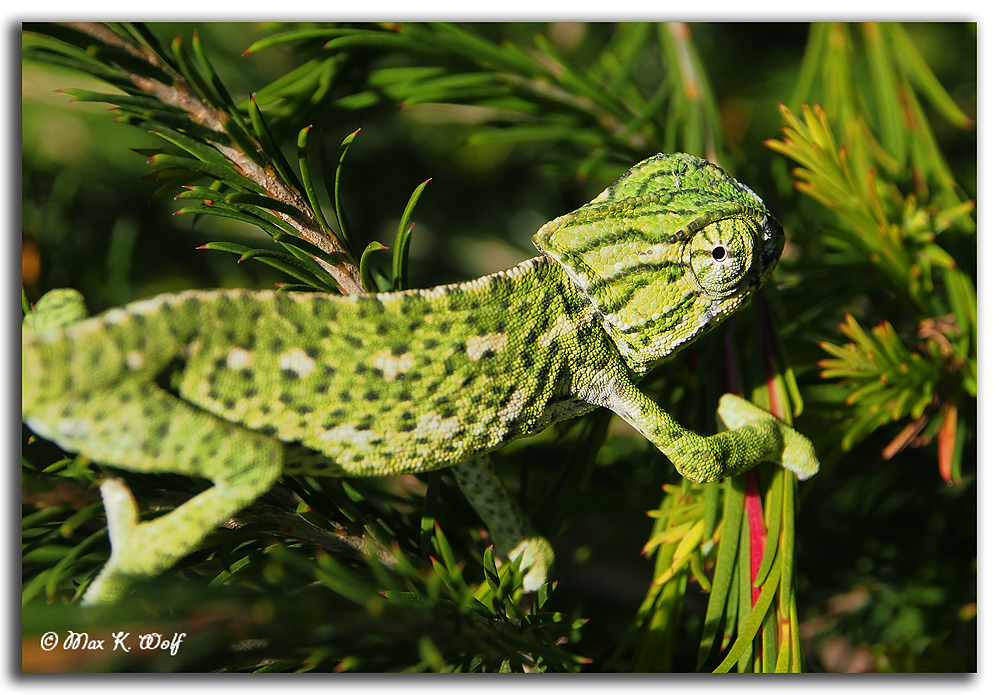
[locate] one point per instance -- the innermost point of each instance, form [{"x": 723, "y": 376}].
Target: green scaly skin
[{"x": 240, "y": 387}]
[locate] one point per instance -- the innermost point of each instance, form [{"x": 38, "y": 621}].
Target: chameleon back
[{"x": 379, "y": 384}]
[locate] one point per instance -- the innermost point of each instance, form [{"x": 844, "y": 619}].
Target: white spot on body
[
  {"x": 478, "y": 345},
  {"x": 434, "y": 424},
  {"x": 116, "y": 316},
  {"x": 513, "y": 407},
  {"x": 391, "y": 365},
  {"x": 564, "y": 326},
  {"x": 349, "y": 434},
  {"x": 238, "y": 358},
  {"x": 134, "y": 360},
  {"x": 478, "y": 283},
  {"x": 73, "y": 428},
  {"x": 622, "y": 324},
  {"x": 605, "y": 390},
  {"x": 298, "y": 362}
]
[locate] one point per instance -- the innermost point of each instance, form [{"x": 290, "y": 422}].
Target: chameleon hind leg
[
  {"x": 509, "y": 527},
  {"x": 754, "y": 436},
  {"x": 154, "y": 432}
]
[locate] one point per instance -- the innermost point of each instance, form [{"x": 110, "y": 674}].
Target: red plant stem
[{"x": 753, "y": 506}]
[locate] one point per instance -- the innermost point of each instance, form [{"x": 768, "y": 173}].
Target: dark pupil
[{"x": 719, "y": 253}]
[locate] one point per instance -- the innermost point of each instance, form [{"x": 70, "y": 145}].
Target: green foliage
[
  {"x": 897, "y": 209},
  {"x": 644, "y": 91},
  {"x": 230, "y": 152},
  {"x": 358, "y": 575},
  {"x": 285, "y": 608}
]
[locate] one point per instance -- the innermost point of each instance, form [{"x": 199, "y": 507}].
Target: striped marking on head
[{"x": 665, "y": 253}]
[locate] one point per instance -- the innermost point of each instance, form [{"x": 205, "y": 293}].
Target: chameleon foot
[
  {"x": 509, "y": 528},
  {"x": 123, "y": 522},
  {"x": 798, "y": 454},
  {"x": 536, "y": 561}
]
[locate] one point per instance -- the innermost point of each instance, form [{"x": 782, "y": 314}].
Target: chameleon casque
[{"x": 242, "y": 386}]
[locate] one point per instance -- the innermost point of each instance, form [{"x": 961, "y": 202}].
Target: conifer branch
[{"x": 341, "y": 266}]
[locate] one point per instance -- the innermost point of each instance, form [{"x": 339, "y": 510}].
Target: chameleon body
[{"x": 240, "y": 386}]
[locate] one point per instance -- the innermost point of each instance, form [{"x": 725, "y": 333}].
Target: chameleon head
[{"x": 666, "y": 253}]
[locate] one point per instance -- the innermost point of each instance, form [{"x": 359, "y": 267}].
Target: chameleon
[{"x": 241, "y": 386}]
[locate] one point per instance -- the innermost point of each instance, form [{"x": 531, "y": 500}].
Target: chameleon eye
[{"x": 720, "y": 254}]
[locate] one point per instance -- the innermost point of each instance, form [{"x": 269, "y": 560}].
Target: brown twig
[
  {"x": 283, "y": 524},
  {"x": 345, "y": 271}
]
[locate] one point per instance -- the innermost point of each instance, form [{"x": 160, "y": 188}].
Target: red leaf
[
  {"x": 753, "y": 506},
  {"x": 945, "y": 440}
]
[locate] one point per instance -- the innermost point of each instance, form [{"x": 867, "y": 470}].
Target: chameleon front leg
[
  {"x": 152, "y": 431},
  {"x": 509, "y": 527},
  {"x": 754, "y": 435}
]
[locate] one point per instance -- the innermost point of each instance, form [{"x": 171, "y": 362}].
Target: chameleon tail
[
  {"x": 89, "y": 386},
  {"x": 64, "y": 353}
]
